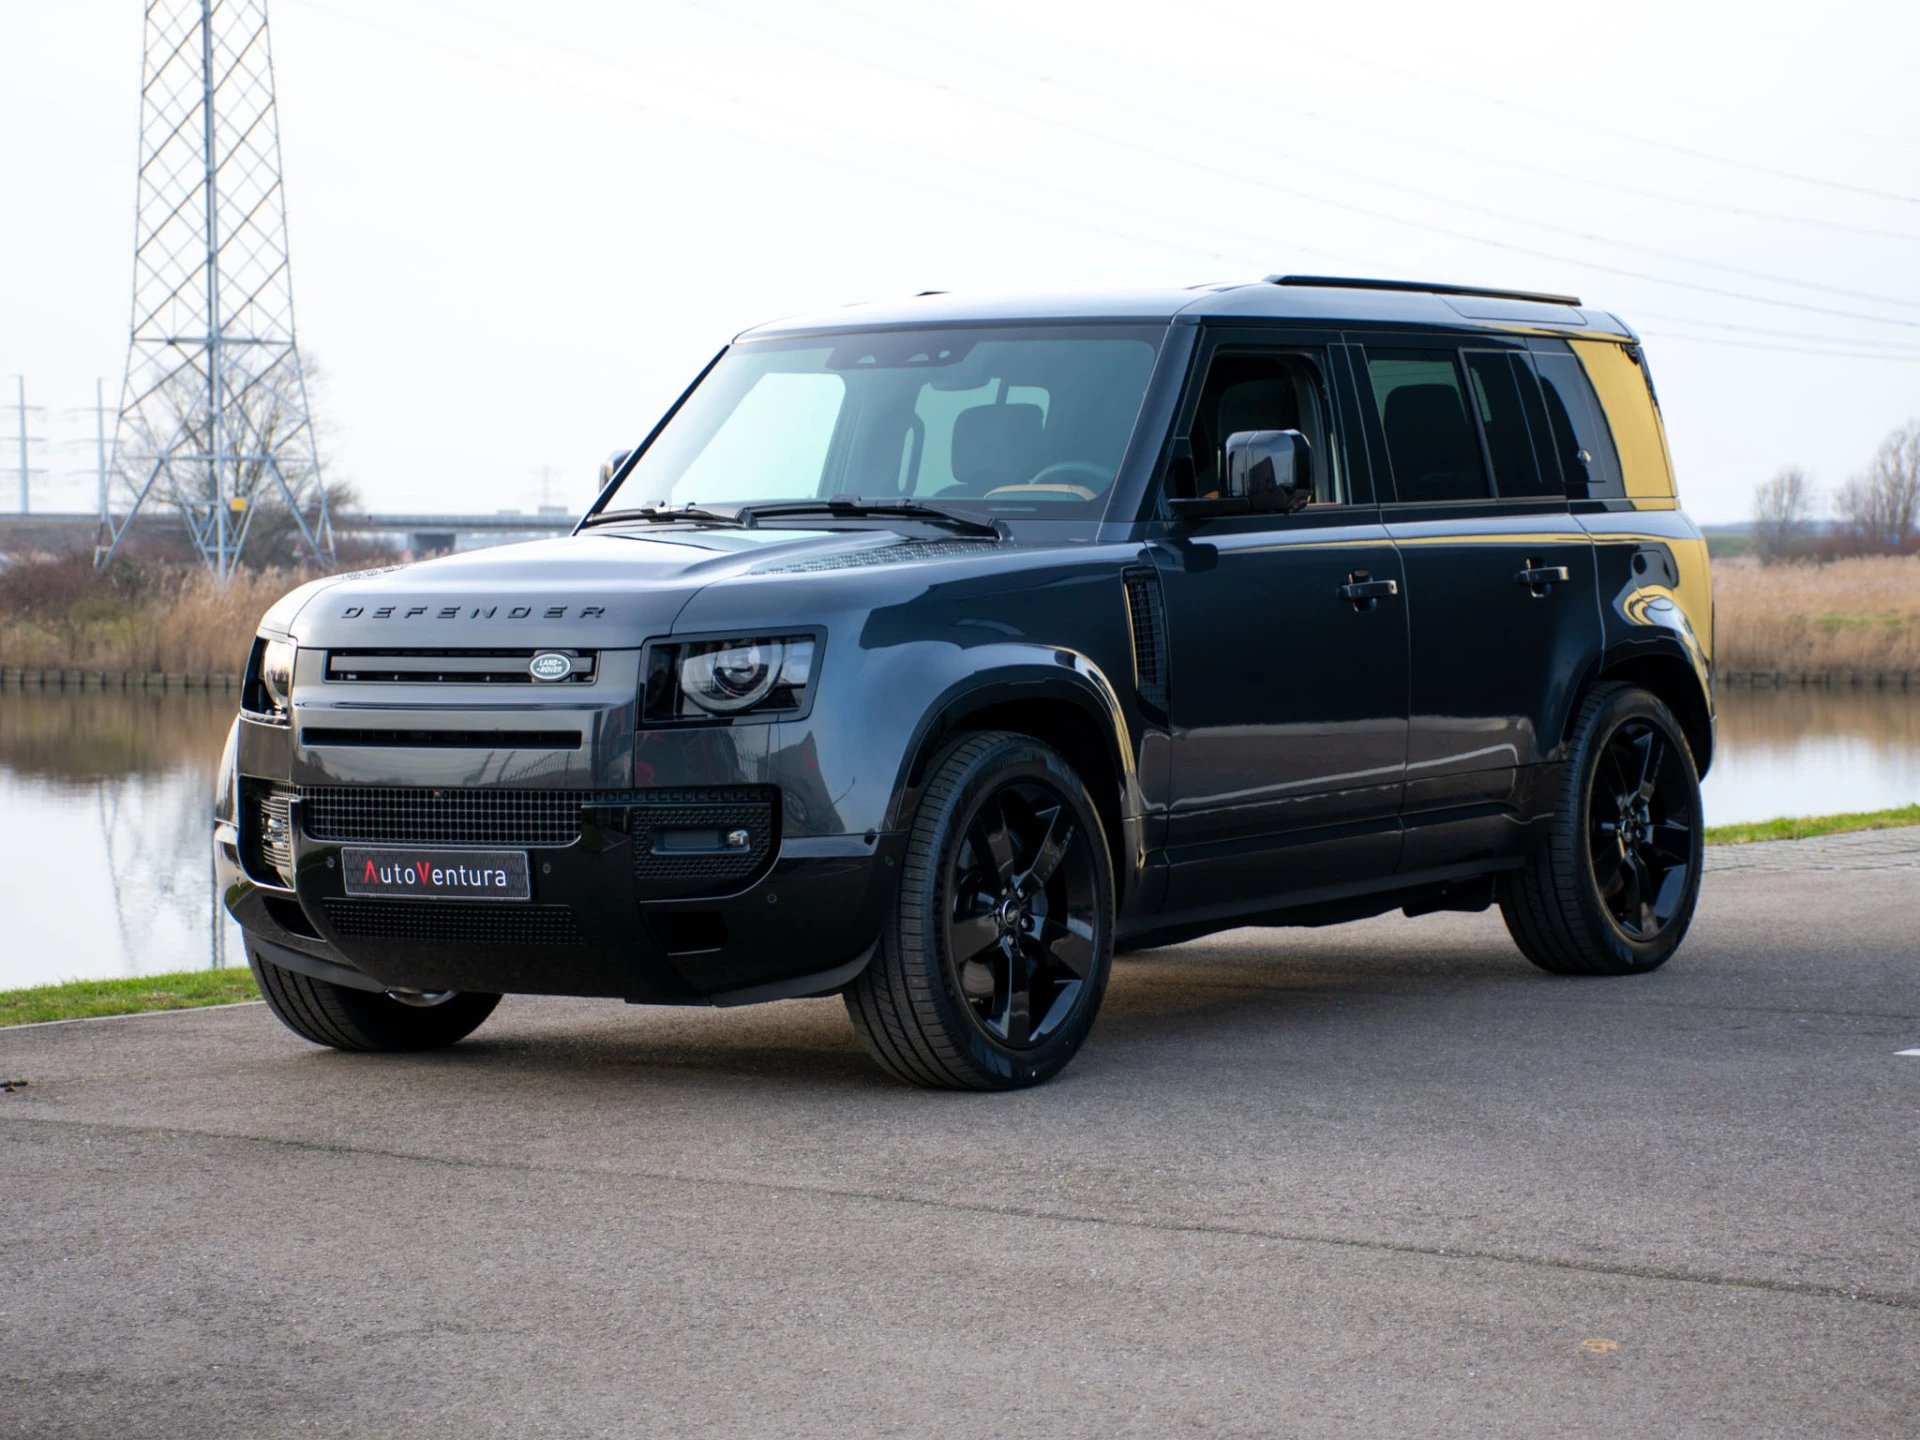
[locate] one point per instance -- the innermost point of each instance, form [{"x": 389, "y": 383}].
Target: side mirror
[
  {"x": 612, "y": 463},
  {"x": 1270, "y": 469},
  {"x": 1263, "y": 472}
]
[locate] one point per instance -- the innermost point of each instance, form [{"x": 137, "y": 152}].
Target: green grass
[
  {"x": 83, "y": 999},
  {"x": 1805, "y": 827}
]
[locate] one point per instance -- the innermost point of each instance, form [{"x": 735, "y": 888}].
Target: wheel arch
[
  {"x": 1672, "y": 676},
  {"x": 1079, "y": 717}
]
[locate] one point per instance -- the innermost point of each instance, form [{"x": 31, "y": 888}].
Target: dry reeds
[
  {"x": 1849, "y": 617},
  {"x": 63, "y": 614}
]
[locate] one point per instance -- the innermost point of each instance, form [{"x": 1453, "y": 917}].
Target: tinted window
[
  {"x": 1497, "y": 390},
  {"x": 1430, "y": 436},
  {"x": 1581, "y": 439},
  {"x": 1265, "y": 392}
]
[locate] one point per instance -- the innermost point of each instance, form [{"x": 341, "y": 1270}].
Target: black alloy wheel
[
  {"x": 1643, "y": 812},
  {"x": 991, "y": 968},
  {"x": 1021, "y": 917},
  {"x": 1613, "y": 888}
]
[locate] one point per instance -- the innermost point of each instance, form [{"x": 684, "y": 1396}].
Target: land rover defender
[{"x": 931, "y": 652}]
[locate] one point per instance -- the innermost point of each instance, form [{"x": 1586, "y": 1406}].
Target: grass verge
[
  {"x": 1806, "y": 827},
  {"x": 85, "y": 999}
]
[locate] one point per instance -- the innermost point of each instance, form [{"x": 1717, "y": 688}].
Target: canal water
[{"x": 105, "y": 856}]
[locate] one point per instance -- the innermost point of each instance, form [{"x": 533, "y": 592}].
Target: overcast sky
[{"x": 517, "y": 230}]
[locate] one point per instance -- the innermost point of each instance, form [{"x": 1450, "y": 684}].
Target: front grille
[
  {"x": 323, "y": 735},
  {"x": 452, "y": 923},
  {"x": 447, "y": 817},
  {"x": 681, "y": 840},
  {"x": 383, "y": 815},
  {"x": 453, "y": 667}
]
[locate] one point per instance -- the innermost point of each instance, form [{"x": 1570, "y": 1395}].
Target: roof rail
[{"x": 1339, "y": 282}]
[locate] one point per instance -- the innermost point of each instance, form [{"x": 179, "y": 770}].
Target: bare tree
[
  {"x": 1881, "y": 509},
  {"x": 1781, "y": 508},
  {"x": 264, "y": 414}
]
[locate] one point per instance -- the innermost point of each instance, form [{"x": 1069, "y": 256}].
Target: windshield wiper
[
  {"x": 852, "y": 507},
  {"x": 662, "y": 515}
]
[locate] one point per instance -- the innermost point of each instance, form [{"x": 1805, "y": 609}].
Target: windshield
[{"x": 1031, "y": 420}]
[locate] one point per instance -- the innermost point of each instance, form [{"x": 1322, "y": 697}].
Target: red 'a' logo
[{"x": 369, "y": 875}]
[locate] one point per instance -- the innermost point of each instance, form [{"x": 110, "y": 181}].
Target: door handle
[
  {"x": 1538, "y": 577},
  {"x": 1365, "y": 592}
]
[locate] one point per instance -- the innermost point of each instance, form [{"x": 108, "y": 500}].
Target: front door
[
  {"x": 1288, "y": 656},
  {"x": 1500, "y": 588}
]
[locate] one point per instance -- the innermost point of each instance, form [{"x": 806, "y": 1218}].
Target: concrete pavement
[{"x": 1383, "y": 1179}]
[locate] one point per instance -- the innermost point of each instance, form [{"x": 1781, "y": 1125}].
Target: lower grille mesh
[
  {"x": 453, "y": 923},
  {"x": 665, "y": 872},
  {"x": 447, "y": 817}
]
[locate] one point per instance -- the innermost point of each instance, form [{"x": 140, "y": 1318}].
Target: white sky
[{"x": 517, "y": 230}]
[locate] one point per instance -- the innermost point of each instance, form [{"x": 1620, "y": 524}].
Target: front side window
[
  {"x": 1431, "y": 441},
  {"x": 1027, "y": 420},
  {"x": 1248, "y": 391}
]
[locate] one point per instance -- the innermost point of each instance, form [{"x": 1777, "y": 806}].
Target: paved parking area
[{"x": 1383, "y": 1179}]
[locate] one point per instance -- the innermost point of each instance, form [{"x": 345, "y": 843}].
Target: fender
[{"x": 1013, "y": 674}]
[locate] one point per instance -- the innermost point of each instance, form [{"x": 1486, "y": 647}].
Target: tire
[
  {"x": 996, "y": 954},
  {"x": 347, "y": 1019},
  {"x": 1614, "y": 888}
]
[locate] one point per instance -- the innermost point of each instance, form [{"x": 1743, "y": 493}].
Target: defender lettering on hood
[{"x": 475, "y": 612}]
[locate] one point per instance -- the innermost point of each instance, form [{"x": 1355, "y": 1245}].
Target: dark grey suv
[{"x": 930, "y": 653}]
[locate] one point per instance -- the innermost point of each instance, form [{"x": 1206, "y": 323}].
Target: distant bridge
[{"x": 422, "y": 533}]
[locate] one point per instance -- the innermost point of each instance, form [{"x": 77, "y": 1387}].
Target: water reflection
[
  {"x": 105, "y": 806},
  {"x": 1813, "y": 752}
]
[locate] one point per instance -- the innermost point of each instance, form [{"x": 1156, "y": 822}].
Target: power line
[
  {"x": 1573, "y": 120},
  {"x": 1311, "y": 162},
  {"x": 1192, "y": 163},
  {"x": 1358, "y": 125},
  {"x": 707, "y": 122}
]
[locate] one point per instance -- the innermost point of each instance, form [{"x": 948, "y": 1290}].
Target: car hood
[{"x": 610, "y": 587}]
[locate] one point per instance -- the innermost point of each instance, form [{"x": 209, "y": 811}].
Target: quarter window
[
  {"x": 1430, "y": 435},
  {"x": 1581, "y": 439}
]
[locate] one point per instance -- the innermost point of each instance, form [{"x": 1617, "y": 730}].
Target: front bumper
[{"x": 804, "y": 924}]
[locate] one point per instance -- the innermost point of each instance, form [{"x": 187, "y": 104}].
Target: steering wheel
[{"x": 1046, "y": 479}]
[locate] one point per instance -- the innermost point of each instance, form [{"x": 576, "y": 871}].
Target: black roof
[{"x": 1324, "y": 300}]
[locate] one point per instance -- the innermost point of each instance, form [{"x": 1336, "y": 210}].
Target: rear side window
[
  {"x": 1431, "y": 440},
  {"x": 1499, "y": 383},
  {"x": 1580, "y": 436}
]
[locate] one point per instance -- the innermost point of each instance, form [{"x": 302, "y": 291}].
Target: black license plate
[{"x": 425, "y": 874}]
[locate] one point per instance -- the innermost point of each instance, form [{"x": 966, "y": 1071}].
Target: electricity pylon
[{"x": 213, "y": 414}]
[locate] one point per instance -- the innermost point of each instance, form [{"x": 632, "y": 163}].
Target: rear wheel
[
  {"x": 348, "y": 1019},
  {"x": 1614, "y": 889},
  {"x": 994, "y": 961}
]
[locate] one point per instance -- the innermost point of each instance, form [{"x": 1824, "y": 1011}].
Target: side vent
[{"x": 1146, "y": 612}]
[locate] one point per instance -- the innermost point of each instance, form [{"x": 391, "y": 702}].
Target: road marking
[{"x": 1907, "y": 1052}]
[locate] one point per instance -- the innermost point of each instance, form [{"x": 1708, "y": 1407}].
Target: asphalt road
[{"x": 1381, "y": 1180}]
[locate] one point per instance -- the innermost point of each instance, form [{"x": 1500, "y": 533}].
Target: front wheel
[
  {"x": 348, "y": 1019},
  {"x": 1614, "y": 888},
  {"x": 996, "y": 955}
]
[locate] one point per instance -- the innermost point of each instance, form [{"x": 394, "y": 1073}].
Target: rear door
[{"x": 1502, "y": 604}]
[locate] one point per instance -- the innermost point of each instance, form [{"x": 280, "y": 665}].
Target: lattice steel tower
[{"x": 213, "y": 415}]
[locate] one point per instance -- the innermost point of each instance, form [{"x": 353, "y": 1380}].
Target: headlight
[
  {"x": 269, "y": 683},
  {"x": 276, "y": 673},
  {"x": 729, "y": 677}
]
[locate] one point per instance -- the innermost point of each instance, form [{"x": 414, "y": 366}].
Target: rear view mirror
[{"x": 612, "y": 463}]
